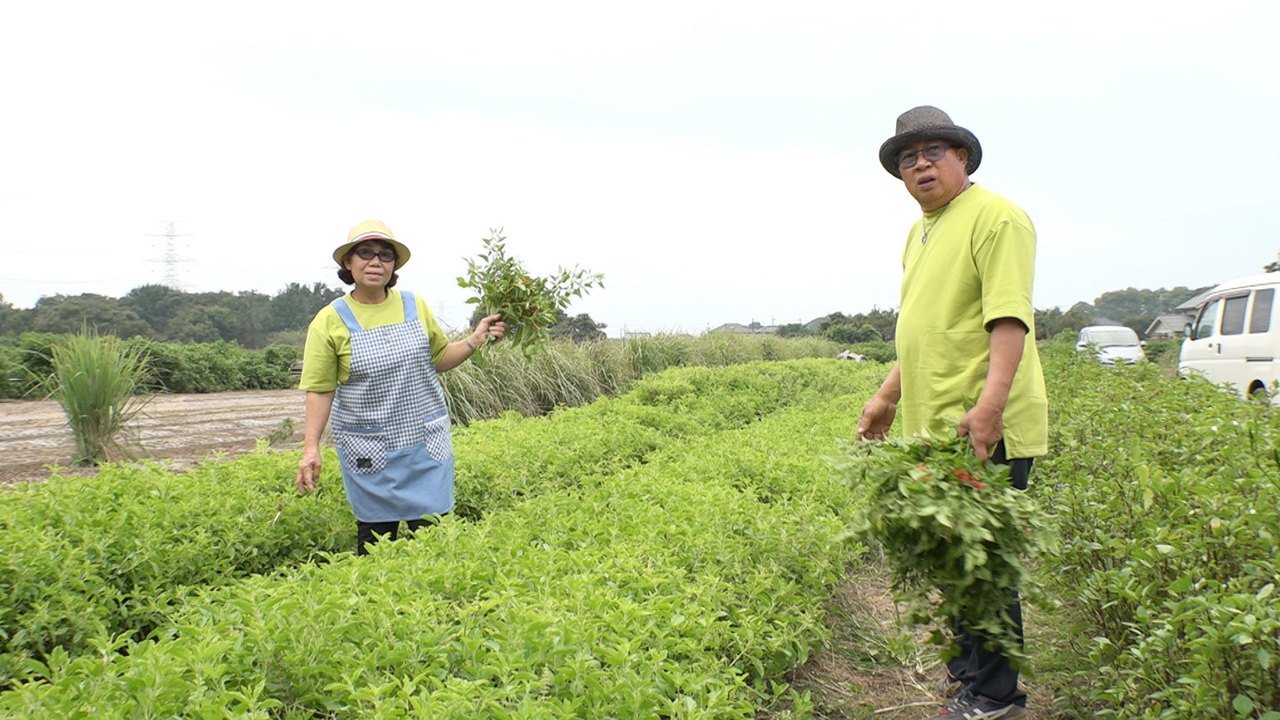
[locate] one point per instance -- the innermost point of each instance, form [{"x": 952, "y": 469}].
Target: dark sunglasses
[{"x": 368, "y": 253}]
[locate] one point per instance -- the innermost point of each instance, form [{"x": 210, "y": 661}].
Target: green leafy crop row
[
  {"x": 502, "y": 461},
  {"x": 88, "y": 558},
  {"x": 84, "y": 557},
  {"x": 1168, "y": 493},
  {"x": 683, "y": 587}
]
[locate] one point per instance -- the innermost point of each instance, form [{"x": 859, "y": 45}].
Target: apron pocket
[
  {"x": 363, "y": 453},
  {"x": 437, "y": 438}
]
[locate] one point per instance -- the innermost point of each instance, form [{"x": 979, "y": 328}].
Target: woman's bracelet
[{"x": 473, "y": 347}]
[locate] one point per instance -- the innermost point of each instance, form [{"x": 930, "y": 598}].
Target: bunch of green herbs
[
  {"x": 956, "y": 535},
  {"x": 529, "y": 304}
]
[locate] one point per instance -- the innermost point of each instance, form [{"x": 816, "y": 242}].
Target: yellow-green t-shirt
[
  {"x": 976, "y": 266},
  {"x": 326, "y": 358}
]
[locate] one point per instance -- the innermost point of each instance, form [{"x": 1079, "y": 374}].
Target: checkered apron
[{"x": 391, "y": 423}]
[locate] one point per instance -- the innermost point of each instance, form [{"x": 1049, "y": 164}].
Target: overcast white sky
[{"x": 715, "y": 160}]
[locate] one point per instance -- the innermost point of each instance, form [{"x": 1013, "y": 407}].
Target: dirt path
[
  {"x": 34, "y": 433},
  {"x": 876, "y": 668}
]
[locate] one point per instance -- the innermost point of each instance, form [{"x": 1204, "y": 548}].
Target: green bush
[
  {"x": 25, "y": 364},
  {"x": 1164, "y": 352},
  {"x": 877, "y": 350},
  {"x": 216, "y": 367},
  {"x": 1167, "y": 492},
  {"x": 15, "y": 379}
]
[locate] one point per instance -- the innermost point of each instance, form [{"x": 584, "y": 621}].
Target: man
[{"x": 967, "y": 359}]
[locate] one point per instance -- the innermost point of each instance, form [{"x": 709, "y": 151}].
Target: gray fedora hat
[{"x": 928, "y": 123}]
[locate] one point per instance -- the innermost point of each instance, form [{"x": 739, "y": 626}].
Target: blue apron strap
[
  {"x": 410, "y": 306},
  {"x": 344, "y": 312}
]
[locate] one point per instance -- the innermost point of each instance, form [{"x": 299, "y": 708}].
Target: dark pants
[
  {"x": 988, "y": 672},
  {"x": 368, "y": 533}
]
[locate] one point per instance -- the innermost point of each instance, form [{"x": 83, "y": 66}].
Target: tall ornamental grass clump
[
  {"x": 96, "y": 380},
  {"x": 567, "y": 374}
]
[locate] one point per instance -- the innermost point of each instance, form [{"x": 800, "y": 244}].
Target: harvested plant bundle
[
  {"x": 950, "y": 523},
  {"x": 529, "y": 304}
]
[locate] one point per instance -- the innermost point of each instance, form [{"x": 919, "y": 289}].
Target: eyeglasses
[
  {"x": 368, "y": 253},
  {"x": 932, "y": 153}
]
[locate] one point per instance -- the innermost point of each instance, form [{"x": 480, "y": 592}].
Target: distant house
[
  {"x": 1172, "y": 324},
  {"x": 1190, "y": 307},
  {"x": 738, "y": 328},
  {"x": 1167, "y": 326},
  {"x": 741, "y": 329}
]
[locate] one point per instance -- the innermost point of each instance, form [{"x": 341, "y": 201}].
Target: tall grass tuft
[
  {"x": 95, "y": 379},
  {"x": 567, "y": 374}
]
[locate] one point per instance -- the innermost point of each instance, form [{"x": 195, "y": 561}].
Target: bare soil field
[{"x": 34, "y": 435}]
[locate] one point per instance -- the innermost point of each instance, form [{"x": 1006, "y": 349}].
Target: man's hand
[
  {"x": 876, "y": 419},
  {"x": 878, "y": 413},
  {"x": 984, "y": 426}
]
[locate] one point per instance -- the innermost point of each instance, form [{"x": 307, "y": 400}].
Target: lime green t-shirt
[
  {"x": 964, "y": 266},
  {"x": 326, "y": 358}
]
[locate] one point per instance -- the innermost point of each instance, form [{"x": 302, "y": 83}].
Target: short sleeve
[
  {"x": 320, "y": 354},
  {"x": 439, "y": 340}
]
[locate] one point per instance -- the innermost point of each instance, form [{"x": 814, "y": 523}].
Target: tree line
[
  {"x": 1130, "y": 307},
  {"x": 158, "y": 312},
  {"x": 255, "y": 320}
]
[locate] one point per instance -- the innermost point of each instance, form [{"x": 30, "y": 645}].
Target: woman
[{"x": 371, "y": 360}]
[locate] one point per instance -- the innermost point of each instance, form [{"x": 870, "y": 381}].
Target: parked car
[
  {"x": 1235, "y": 339},
  {"x": 1111, "y": 344}
]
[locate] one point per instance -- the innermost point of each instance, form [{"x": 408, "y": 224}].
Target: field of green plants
[{"x": 670, "y": 552}]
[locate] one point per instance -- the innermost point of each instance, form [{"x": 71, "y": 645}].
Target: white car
[{"x": 1111, "y": 344}]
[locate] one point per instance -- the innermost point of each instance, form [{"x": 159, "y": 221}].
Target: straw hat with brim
[
  {"x": 373, "y": 230},
  {"x": 928, "y": 123}
]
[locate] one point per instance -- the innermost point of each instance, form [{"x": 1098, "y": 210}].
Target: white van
[
  {"x": 1111, "y": 344},
  {"x": 1235, "y": 338}
]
